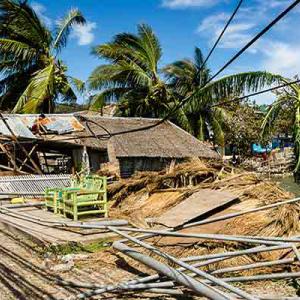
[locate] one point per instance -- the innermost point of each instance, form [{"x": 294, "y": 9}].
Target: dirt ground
[{"x": 26, "y": 273}]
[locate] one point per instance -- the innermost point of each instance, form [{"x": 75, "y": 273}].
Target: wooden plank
[
  {"x": 198, "y": 204},
  {"x": 49, "y": 235}
]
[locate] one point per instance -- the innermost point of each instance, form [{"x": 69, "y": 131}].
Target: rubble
[{"x": 253, "y": 239}]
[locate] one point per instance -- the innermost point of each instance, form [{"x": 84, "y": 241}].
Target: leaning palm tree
[
  {"x": 32, "y": 77},
  {"x": 201, "y": 115},
  {"x": 131, "y": 76},
  {"x": 288, "y": 99}
]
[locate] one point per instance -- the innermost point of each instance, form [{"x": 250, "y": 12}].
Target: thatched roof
[{"x": 165, "y": 140}]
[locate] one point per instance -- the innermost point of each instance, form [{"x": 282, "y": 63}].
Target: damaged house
[{"x": 64, "y": 143}]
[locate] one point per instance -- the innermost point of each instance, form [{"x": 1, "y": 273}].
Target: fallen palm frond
[{"x": 280, "y": 221}]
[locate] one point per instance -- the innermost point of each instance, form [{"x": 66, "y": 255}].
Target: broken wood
[
  {"x": 26, "y": 159},
  {"x": 14, "y": 137}
]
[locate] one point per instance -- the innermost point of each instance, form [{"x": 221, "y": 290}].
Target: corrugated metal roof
[
  {"x": 32, "y": 183},
  {"x": 17, "y": 126},
  {"x": 54, "y": 123}
]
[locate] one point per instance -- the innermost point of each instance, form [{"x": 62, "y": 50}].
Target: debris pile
[
  {"x": 199, "y": 229},
  {"x": 149, "y": 194},
  {"x": 281, "y": 164}
]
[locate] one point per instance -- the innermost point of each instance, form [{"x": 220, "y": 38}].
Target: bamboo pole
[{"x": 182, "y": 264}]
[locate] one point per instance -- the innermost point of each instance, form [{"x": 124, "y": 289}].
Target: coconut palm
[
  {"x": 201, "y": 115},
  {"x": 131, "y": 76},
  {"x": 32, "y": 77},
  {"x": 288, "y": 99}
]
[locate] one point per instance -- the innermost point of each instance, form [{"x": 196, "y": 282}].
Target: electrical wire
[
  {"x": 111, "y": 134},
  {"x": 256, "y": 93},
  {"x": 237, "y": 55},
  {"x": 200, "y": 69},
  {"x": 240, "y": 52},
  {"x": 221, "y": 34}
]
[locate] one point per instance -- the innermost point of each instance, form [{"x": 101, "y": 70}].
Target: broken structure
[{"x": 62, "y": 143}]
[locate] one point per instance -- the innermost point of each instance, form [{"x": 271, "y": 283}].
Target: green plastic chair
[
  {"x": 90, "y": 199},
  {"x": 54, "y": 196},
  {"x": 53, "y": 199}
]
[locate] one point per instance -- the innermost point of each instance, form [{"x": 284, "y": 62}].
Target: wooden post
[
  {"x": 20, "y": 145},
  {"x": 25, "y": 160},
  {"x": 8, "y": 154}
]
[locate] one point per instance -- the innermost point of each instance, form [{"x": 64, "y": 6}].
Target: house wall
[
  {"x": 114, "y": 163},
  {"x": 130, "y": 165},
  {"x": 96, "y": 158}
]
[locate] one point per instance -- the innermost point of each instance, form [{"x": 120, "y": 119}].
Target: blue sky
[{"x": 181, "y": 25}]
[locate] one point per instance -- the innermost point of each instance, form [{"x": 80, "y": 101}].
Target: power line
[
  {"x": 200, "y": 69},
  {"x": 256, "y": 93},
  {"x": 237, "y": 55},
  {"x": 248, "y": 45},
  {"x": 221, "y": 35},
  {"x": 258, "y": 36},
  {"x": 111, "y": 134}
]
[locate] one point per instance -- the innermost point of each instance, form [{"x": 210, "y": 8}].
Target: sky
[{"x": 180, "y": 26}]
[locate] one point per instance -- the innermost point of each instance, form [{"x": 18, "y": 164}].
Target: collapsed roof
[{"x": 165, "y": 140}]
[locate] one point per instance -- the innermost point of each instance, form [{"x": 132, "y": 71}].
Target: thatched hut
[{"x": 125, "y": 145}]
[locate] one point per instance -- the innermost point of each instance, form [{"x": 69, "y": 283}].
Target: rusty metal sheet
[
  {"x": 196, "y": 205},
  {"x": 17, "y": 126},
  {"x": 54, "y": 123}
]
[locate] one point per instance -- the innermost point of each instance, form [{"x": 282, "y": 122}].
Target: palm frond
[
  {"x": 74, "y": 16},
  {"x": 198, "y": 58},
  {"x": 150, "y": 45},
  {"x": 19, "y": 21},
  {"x": 237, "y": 84},
  {"x": 17, "y": 51},
  {"x": 271, "y": 116},
  {"x": 67, "y": 94},
  {"x": 78, "y": 84},
  {"x": 39, "y": 92}
]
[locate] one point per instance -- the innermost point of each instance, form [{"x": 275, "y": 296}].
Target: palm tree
[
  {"x": 131, "y": 76},
  {"x": 288, "y": 99},
  {"x": 32, "y": 77},
  {"x": 201, "y": 115}
]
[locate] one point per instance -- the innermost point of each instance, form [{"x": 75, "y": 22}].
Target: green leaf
[
  {"x": 40, "y": 90},
  {"x": 15, "y": 50},
  {"x": 74, "y": 16},
  {"x": 77, "y": 83}
]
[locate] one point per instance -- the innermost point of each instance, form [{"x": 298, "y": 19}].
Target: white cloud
[
  {"x": 236, "y": 35},
  {"x": 243, "y": 27},
  {"x": 277, "y": 3},
  {"x": 40, "y": 10},
  {"x": 188, "y": 3},
  {"x": 281, "y": 58},
  {"x": 84, "y": 33}
]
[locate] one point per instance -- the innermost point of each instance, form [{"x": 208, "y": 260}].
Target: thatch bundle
[
  {"x": 149, "y": 194},
  {"x": 280, "y": 221},
  {"x": 184, "y": 175}
]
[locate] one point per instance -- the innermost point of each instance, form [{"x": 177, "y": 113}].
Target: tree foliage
[
  {"x": 32, "y": 78},
  {"x": 201, "y": 115},
  {"x": 284, "y": 114},
  {"x": 131, "y": 75}
]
